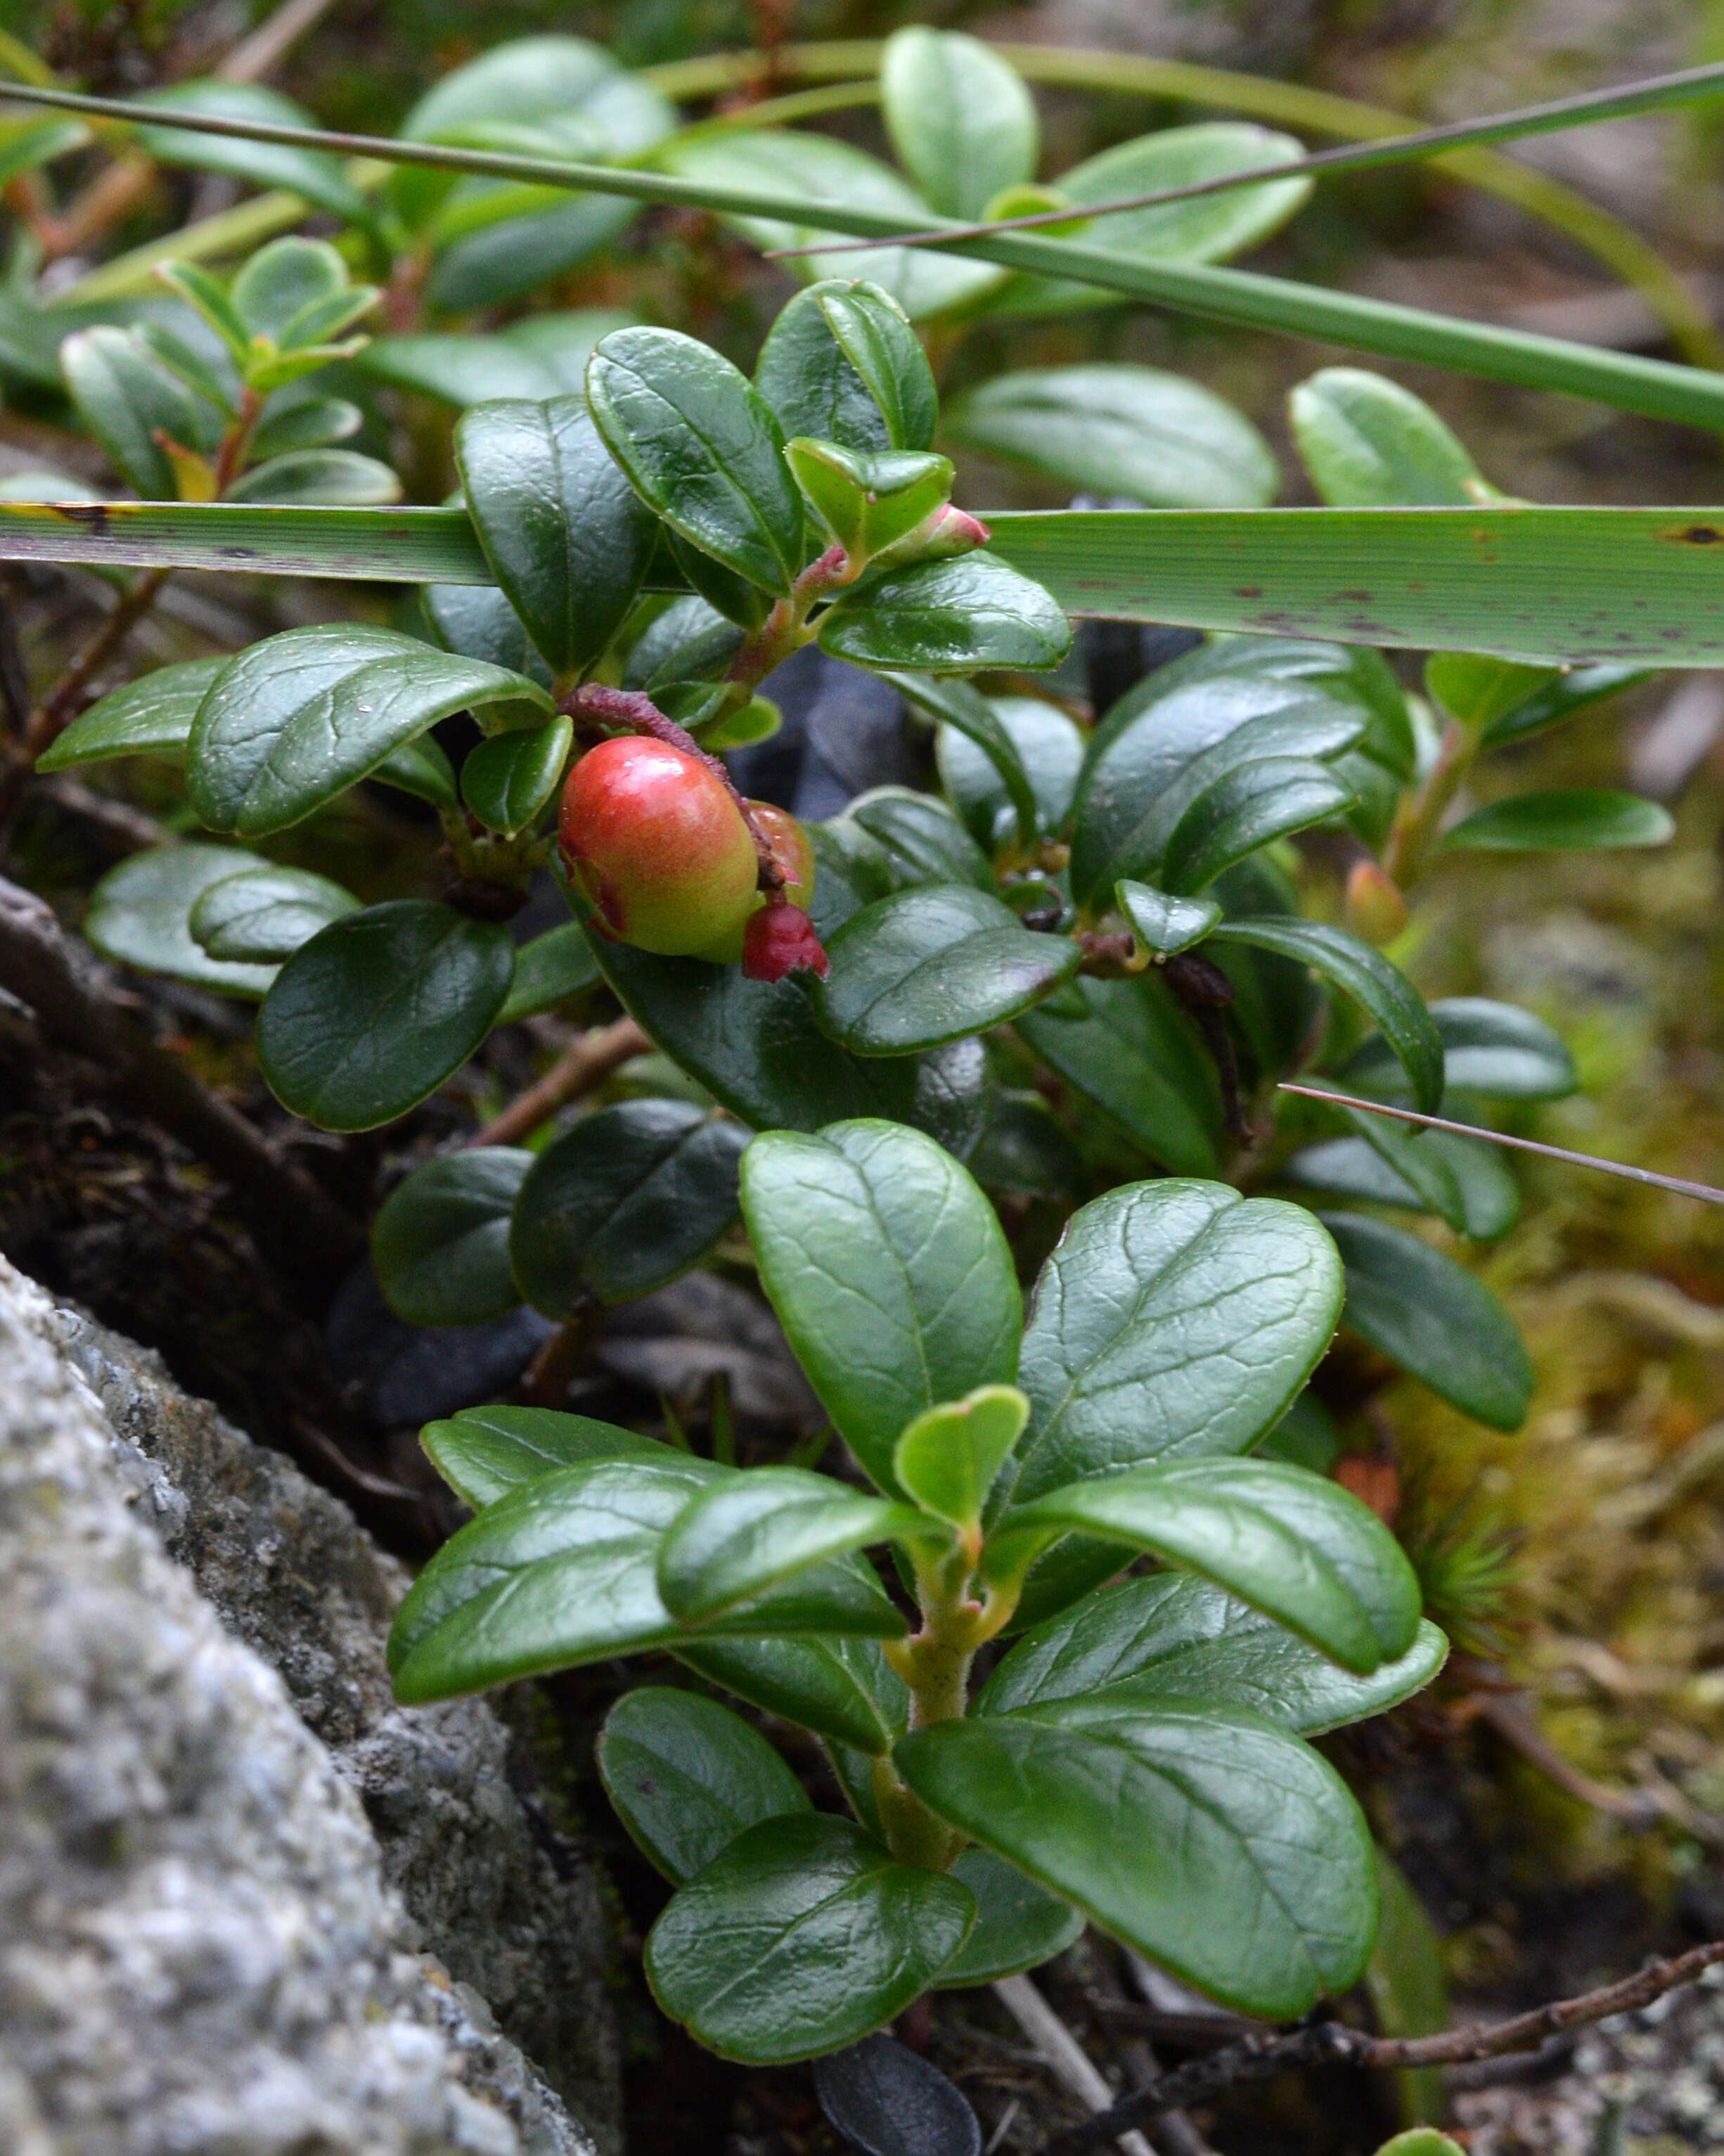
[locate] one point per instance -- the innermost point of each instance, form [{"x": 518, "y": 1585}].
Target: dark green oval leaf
[
  {"x": 1489, "y": 1048},
  {"x": 1369, "y": 444},
  {"x": 841, "y": 1689},
  {"x": 486, "y": 1453},
  {"x": 1018, "y": 1923},
  {"x": 1137, "y": 1056},
  {"x": 686, "y": 1777},
  {"x": 1164, "y": 925},
  {"x": 804, "y": 1935},
  {"x": 547, "y": 970},
  {"x": 1418, "y": 1308},
  {"x": 150, "y": 717},
  {"x": 264, "y": 915},
  {"x": 624, "y": 1202},
  {"x": 439, "y": 1245},
  {"x": 510, "y": 779},
  {"x": 972, "y": 612},
  {"x": 140, "y": 914},
  {"x": 885, "y": 2099},
  {"x": 1244, "y": 810},
  {"x": 1587, "y": 816},
  {"x": 373, "y": 1013}
]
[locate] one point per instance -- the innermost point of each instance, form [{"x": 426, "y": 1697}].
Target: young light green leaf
[
  {"x": 312, "y": 423},
  {"x": 568, "y": 537},
  {"x": 1175, "y": 1636},
  {"x": 300, "y": 717},
  {"x": 140, "y": 914},
  {"x": 1418, "y": 1307},
  {"x": 510, "y": 779},
  {"x": 686, "y": 1777},
  {"x": 1489, "y": 1048},
  {"x": 701, "y": 446},
  {"x": 1369, "y": 444},
  {"x": 1164, "y": 925},
  {"x": 755, "y": 1530},
  {"x": 262, "y": 915},
  {"x": 948, "y": 616},
  {"x": 1569, "y": 818},
  {"x": 889, "y": 1270},
  {"x": 439, "y": 1245},
  {"x": 1174, "y": 1320},
  {"x": 624, "y": 1202},
  {"x": 1301, "y": 1549},
  {"x": 1380, "y": 988},
  {"x": 1246, "y": 809},
  {"x": 868, "y": 499},
  {"x": 376, "y": 1011},
  {"x": 150, "y": 717},
  {"x": 932, "y": 964},
  {"x": 549, "y": 970},
  {"x": 1116, "y": 429},
  {"x": 487, "y": 1453},
  {"x": 1018, "y": 1923},
  {"x": 290, "y": 281},
  {"x": 947, "y": 1458},
  {"x": 843, "y": 1690},
  {"x": 1248, "y": 1872},
  {"x": 961, "y": 118},
  {"x": 1137, "y": 1055},
  {"x": 804, "y": 1936},
  {"x": 1478, "y": 689}
]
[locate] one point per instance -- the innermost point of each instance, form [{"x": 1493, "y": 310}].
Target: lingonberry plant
[{"x": 1135, "y": 1756}]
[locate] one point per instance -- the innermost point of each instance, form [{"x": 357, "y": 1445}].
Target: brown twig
[
  {"x": 1333, "y": 2043},
  {"x": 60, "y": 982},
  {"x": 257, "y": 55},
  {"x": 585, "y": 1063}
]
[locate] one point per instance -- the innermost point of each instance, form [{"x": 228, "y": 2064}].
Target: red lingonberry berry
[{"x": 659, "y": 846}]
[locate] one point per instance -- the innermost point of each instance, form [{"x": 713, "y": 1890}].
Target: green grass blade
[
  {"x": 1542, "y": 584},
  {"x": 386, "y": 546}
]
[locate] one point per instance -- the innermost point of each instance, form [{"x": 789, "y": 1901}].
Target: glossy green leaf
[
  {"x": 549, "y": 970},
  {"x": 295, "y": 291},
  {"x": 541, "y": 356},
  {"x": 477, "y": 622},
  {"x": 1248, "y": 1870},
  {"x": 624, "y": 1201},
  {"x": 1202, "y": 230},
  {"x": 874, "y": 333},
  {"x": 1555, "y": 822},
  {"x": 300, "y": 717},
  {"x": 808, "y": 174},
  {"x": 487, "y": 1453},
  {"x": 889, "y": 1273},
  {"x": 312, "y": 423},
  {"x": 264, "y": 915},
  {"x": 1018, "y": 1923},
  {"x": 375, "y": 1012},
  {"x": 1163, "y": 745},
  {"x": 770, "y": 1524},
  {"x": 843, "y": 1690},
  {"x": 563, "y": 1571},
  {"x": 568, "y": 537},
  {"x": 1478, "y": 689},
  {"x": 421, "y": 768},
  {"x": 150, "y": 717},
  {"x": 961, "y": 120},
  {"x": 319, "y": 178},
  {"x": 947, "y": 1458},
  {"x": 1380, "y": 988},
  {"x": 701, "y": 448},
  {"x": 439, "y": 1245},
  {"x": 1306, "y": 1437},
  {"x": 804, "y": 1936},
  {"x": 971, "y": 612},
  {"x": 1025, "y": 1149},
  {"x": 1164, "y": 925},
  {"x": 686, "y": 1777},
  {"x": 1139, "y": 1059},
  {"x": 1250, "y": 806},
  {"x": 1116, "y": 429},
  {"x": 1488, "y": 1048},
  {"x": 127, "y": 398},
  {"x": 1175, "y": 1636},
  {"x": 1369, "y": 444},
  {"x": 1578, "y": 690},
  {"x": 329, "y": 476},
  {"x": 1173, "y": 1320},
  {"x": 509, "y": 781},
  {"x": 1008, "y": 763},
  {"x": 1301, "y": 1549},
  {"x": 813, "y": 386},
  {"x": 931, "y": 964},
  {"x": 140, "y": 914},
  {"x": 922, "y": 841},
  {"x": 868, "y": 499},
  {"x": 1463, "y": 1180},
  {"x": 1421, "y": 1310}
]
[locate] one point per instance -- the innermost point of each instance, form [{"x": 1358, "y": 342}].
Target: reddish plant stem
[
  {"x": 585, "y": 1063},
  {"x": 631, "y": 711}
]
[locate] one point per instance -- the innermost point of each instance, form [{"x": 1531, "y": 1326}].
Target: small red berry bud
[
  {"x": 780, "y": 939},
  {"x": 793, "y": 855},
  {"x": 1375, "y": 907},
  {"x": 955, "y": 532},
  {"x": 659, "y": 846}
]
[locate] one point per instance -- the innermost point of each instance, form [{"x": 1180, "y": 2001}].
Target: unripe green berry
[{"x": 659, "y": 846}]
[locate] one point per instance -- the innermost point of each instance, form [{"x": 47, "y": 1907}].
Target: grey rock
[{"x": 224, "y": 1853}]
